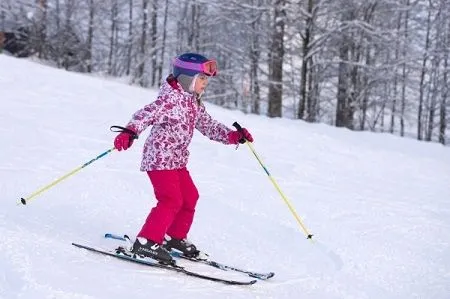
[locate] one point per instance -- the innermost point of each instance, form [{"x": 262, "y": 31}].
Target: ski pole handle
[
  {"x": 119, "y": 129},
  {"x": 239, "y": 129},
  {"x": 237, "y": 126}
]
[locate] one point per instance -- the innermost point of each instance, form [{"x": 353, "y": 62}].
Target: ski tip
[
  {"x": 262, "y": 276},
  {"x": 116, "y": 237},
  {"x": 23, "y": 201}
]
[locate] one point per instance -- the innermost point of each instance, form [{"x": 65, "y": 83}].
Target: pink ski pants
[{"x": 173, "y": 214}]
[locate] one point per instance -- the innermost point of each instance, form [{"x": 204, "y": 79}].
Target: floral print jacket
[{"x": 173, "y": 115}]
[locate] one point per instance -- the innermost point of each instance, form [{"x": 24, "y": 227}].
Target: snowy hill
[{"x": 378, "y": 205}]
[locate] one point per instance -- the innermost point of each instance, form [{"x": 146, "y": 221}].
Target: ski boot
[
  {"x": 147, "y": 248},
  {"x": 182, "y": 246}
]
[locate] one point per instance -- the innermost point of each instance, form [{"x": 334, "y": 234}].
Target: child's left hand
[{"x": 235, "y": 137}]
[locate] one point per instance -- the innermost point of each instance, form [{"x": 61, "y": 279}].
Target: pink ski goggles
[{"x": 209, "y": 67}]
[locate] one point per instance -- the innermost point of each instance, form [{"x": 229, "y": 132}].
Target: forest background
[{"x": 378, "y": 65}]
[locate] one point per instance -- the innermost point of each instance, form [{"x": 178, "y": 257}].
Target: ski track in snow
[{"x": 377, "y": 204}]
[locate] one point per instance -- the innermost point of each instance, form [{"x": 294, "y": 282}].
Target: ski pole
[
  {"x": 286, "y": 200},
  {"x": 25, "y": 200}
]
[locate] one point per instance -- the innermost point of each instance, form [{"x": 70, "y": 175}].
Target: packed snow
[{"x": 377, "y": 204}]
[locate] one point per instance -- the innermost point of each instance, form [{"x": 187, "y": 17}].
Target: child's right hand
[{"x": 124, "y": 140}]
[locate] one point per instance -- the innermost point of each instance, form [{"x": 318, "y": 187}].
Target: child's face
[{"x": 200, "y": 83}]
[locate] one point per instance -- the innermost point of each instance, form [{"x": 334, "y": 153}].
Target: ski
[
  {"x": 206, "y": 261},
  {"x": 120, "y": 253}
]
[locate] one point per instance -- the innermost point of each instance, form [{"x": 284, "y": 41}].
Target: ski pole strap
[
  {"x": 119, "y": 129},
  {"x": 240, "y": 130}
]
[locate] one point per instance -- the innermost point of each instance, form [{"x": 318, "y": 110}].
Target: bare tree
[
  {"x": 306, "y": 96},
  {"x": 276, "y": 60},
  {"x": 445, "y": 87},
  {"x": 344, "y": 102},
  {"x": 163, "y": 41},
  {"x": 113, "y": 37},
  {"x": 423, "y": 74},
  {"x": 404, "y": 68},
  {"x": 153, "y": 40},
  {"x": 130, "y": 37},
  {"x": 397, "y": 57},
  {"x": 42, "y": 28},
  {"x": 255, "y": 57},
  {"x": 90, "y": 36},
  {"x": 141, "y": 65}
]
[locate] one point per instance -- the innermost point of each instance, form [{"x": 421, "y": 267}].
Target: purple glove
[{"x": 235, "y": 137}]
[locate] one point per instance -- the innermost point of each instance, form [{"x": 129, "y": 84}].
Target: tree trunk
[
  {"x": 441, "y": 53},
  {"x": 194, "y": 27},
  {"x": 58, "y": 16},
  {"x": 276, "y": 61},
  {"x": 305, "y": 97},
  {"x": 67, "y": 28},
  {"x": 422, "y": 79},
  {"x": 90, "y": 35},
  {"x": 163, "y": 46},
  {"x": 112, "y": 40},
  {"x": 312, "y": 102},
  {"x": 42, "y": 31},
  {"x": 354, "y": 95},
  {"x": 141, "y": 67},
  {"x": 445, "y": 85},
  {"x": 397, "y": 50},
  {"x": 434, "y": 90},
  {"x": 255, "y": 53},
  {"x": 344, "y": 75},
  {"x": 316, "y": 72},
  {"x": 365, "y": 96},
  {"x": 130, "y": 37},
  {"x": 2, "y": 20},
  {"x": 404, "y": 71},
  {"x": 443, "y": 106},
  {"x": 343, "y": 83},
  {"x": 154, "y": 37},
  {"x": 58, "y": 30}
]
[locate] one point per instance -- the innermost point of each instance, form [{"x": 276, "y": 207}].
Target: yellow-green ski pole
[
  {"x": 286, "y": 200},
  {"x": 25, "y": 200}
]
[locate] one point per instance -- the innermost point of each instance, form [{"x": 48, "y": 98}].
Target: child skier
[{"x": 174, "y": 115}]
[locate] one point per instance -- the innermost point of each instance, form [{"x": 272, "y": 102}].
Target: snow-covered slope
[{"x": 378, "y": 205}]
